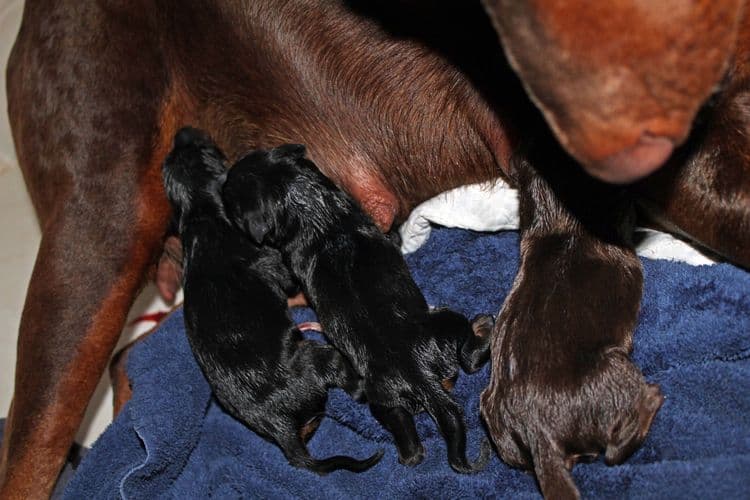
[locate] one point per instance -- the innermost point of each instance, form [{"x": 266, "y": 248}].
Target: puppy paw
[
  {"x": 475, "y": 351},
  {"x": 629, "y": 430},
  {"x": 485, "y": 452},
  {"x": 413, "y": 458},
  {"x": 482, "y": 325}
]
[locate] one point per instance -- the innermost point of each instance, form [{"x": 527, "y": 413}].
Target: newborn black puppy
[
  {"x": 364, "y": 295},
  {"x": 258, "y": 365}
]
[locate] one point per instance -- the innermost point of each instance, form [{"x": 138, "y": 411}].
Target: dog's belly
[{"x": 389, "y": 118}]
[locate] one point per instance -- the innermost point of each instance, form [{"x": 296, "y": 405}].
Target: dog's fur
[
  {"x": 254, "y": 357},
  {"x": 574, "y": 251},
  {"x": 362, "y": 291},
  {"x": 396, "y": 101},
  {"x": 619, "y": 81}
]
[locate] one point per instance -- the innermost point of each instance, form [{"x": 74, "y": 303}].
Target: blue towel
[{"x": 693, "y": 338}]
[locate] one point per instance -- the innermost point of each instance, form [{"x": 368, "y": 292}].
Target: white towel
[{"x": 493, "y": 206}]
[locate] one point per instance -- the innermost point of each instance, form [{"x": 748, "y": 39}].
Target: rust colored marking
[
  {"x": 298, "y": 300},
  {"x": 449, "y": 383},
  {"x": 307, "y": 430}
]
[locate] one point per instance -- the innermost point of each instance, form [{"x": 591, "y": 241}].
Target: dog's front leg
[{"x": 82, "y": 287}]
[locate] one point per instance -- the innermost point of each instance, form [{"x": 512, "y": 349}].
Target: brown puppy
[
  {"x": 401, "y": 100},
  {"x": 568, "y": 389}
]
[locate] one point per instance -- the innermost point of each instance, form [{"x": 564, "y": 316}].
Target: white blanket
[{"x": 493, "y": 206}]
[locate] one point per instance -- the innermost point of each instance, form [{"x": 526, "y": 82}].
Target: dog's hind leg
[
  {"x": 87, "y": 274},
  {"x": 325, "y": 364},
  {"x": 87, "y": 133},
  {"x": 450, "y": 421},
  {"x": 400, "y": 423}
]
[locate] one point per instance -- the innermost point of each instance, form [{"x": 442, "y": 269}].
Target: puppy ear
[
  {"x": 553, "y": 475},
  {"x": 627, "y": 434},
  {"x": 177, "y": 194},
  {"x": 290, "y": 151},
  {"x": 242, "y": 202}
]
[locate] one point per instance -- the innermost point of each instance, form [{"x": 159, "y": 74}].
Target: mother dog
[{"x": 400, "y": 100}]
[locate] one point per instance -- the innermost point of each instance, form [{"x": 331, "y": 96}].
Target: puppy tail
[
  {"x": 552, "y": 472},
  {"x": 450, "y": 421},
  {"x": 298, "y": 456},
  {"x": 331, "y": 464},
  {"x": 475, "y": 350}
]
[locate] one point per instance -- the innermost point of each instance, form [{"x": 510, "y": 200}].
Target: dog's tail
[
  {"x": 297, "y": 454},
  {"x": 450, "y": 421}
]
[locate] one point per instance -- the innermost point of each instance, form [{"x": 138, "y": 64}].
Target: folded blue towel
[{"x": 693, "y": 338}]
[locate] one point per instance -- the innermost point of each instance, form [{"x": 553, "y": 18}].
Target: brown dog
[
  {"x": 401, "y": 101},
  {"x": 591, "y": 67}
]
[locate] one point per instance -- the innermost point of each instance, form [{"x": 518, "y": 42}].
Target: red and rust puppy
[
  {"x": 254, "y": 357},
  {"x": 358, "y": 283},
  {"x": 396, "y": 101}
]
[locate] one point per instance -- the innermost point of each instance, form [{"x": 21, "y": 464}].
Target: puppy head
[
  {"x": 629, "y": 430},
  {"x": 539, "y": 424},
  {"x": 195, "y": 168},
  {"x": 257, "y": 190},
  {"x": 605, "y": 74}
]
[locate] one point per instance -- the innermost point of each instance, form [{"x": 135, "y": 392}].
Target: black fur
[
  {"x": 361, "y": 289},
  {"x": 258, "y": 365}
]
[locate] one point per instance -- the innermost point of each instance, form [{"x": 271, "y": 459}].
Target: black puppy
[
  {"x": 364, "y": 295},
  {"x": 258, "y": 365}
]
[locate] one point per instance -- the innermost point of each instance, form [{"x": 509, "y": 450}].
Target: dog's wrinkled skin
[
  {"x": 396, "y": 101},
  {"x": 359, "y": 285},
  {"x": 236, "y": 319}
]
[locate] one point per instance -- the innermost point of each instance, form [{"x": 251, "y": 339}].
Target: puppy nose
[{"x": 637, "y": 161}]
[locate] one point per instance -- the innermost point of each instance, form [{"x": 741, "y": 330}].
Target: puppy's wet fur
[
  {"x": 364, "y": 295},
  {"x": 568, "y": 390},
  {"x": 255, "y": 359}
]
